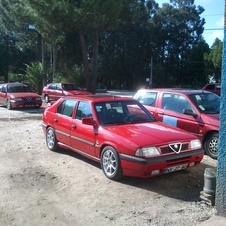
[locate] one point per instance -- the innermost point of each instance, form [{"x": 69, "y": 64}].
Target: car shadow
[
  {"x": 27, "y": 110},
  {"x": 184, "y": 185}
]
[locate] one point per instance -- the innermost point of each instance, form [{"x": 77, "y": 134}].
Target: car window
[
  {"x": 175, "y": 102},
  {"x": 70, "y": 86},
  {"x": 211, "y": 87},
  {"x": 208, "y": 103},
  {"x": 52, "y": 86},
  {"x": 218, "y": 87},
  {"x": 58, "y": 86},
  {"x": 0, "y": 88},
  {"x": 122, "y": 112},
  {"x": 66, "y": 107},
  {"x": 67, "y": 86},
  {"x": 18, "y": 89},
  {"x": 146, "y": 98},
  {"x": 3, "y": 88},
  {"x": 83, "y": 110}
]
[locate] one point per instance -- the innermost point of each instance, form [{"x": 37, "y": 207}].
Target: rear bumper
[{"x": 141, "y": 167}]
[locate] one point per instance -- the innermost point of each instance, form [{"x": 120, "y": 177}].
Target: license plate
[{"x": 175, "y": 168}]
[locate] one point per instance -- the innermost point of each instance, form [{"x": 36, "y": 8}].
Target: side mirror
[
  {"x": 90, "y": 121},
  {"x": 190, "y": 112}
]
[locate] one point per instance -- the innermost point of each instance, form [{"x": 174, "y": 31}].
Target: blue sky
[{"x": 213, "y": 15}]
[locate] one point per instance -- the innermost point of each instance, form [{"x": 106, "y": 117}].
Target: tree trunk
[
  {"x": 84, "y": 58},
  {"x": 39, "y": 48},
  {"x": 95, "y": 60}
]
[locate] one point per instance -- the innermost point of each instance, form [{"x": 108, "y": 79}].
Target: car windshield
[
  {"x": 122, "y": 112},
  {"x": 208, "y": 103},
  {"x": 18, "y": 89},
  {"x": 70, "y": 87}
]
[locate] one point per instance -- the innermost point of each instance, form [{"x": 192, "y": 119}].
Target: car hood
[
  {"x": 144, "y": 134},
  {"x": 23, "y": 95}
]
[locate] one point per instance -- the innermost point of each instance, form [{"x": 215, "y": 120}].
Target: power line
[
  {"x": 85, "y": 15},
  {"x": 221, "y": 14},
  {"x": 214, "y": 29}
]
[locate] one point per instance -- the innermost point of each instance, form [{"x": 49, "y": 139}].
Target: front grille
[
  {"x": 29, "y": 98},
  {"x": 178, "y": 161},
  {"x": 168, "y": 150}
]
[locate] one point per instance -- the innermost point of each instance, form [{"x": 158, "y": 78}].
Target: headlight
[
  {"x": 18, "y": 99},
  {"x": 195, "y": 144},
  {"x": 148, "y": 151},
  {"x": 38, "y": 98}
]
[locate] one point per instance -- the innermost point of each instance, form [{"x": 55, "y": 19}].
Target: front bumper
[
  {"x": 27, "y": 104},
  {"x": 154, "y": 166}
]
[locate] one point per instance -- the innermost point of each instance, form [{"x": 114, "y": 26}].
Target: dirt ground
[{"x": 40, "y": 187}]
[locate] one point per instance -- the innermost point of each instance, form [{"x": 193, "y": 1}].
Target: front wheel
[
  {"x": 211, "y": 145},
  {"x": 110, "y": 163},
  {"x": 51, "y": 140},
  {"x": 46, "y": 98},
  {"x": 8, "y": 105}
]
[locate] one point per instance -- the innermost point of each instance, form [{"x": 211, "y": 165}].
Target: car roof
[
  {"x": 54, "y": 83},
  {"x": 176, "y": 90},
  {"x": 215, "y": 83},
  {"x": 99, "y": 98},
  {"x": 14, "y": 84}
]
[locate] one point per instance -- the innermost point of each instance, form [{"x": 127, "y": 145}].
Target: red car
[
  {"x": 54, "y": 91},
  {"x": 17, "y": 95},
  {"x": 195, "y": 111},
  {"x": 213, "y": 87},
  {"x": 120, "y": 134}
]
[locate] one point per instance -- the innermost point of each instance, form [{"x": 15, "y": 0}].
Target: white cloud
[
  {"x": 217, "y": 34},
  {"x": 220, "y": 22}
]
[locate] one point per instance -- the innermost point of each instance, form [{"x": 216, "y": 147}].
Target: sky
[{"x": 214, "y": 17}]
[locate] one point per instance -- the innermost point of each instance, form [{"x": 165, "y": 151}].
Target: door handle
[
  {"x": 55, "y": 120},
  {"x": 73, "y": 126}
]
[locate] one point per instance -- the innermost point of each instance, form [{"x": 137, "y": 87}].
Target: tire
[
  {"x": 211, "y": 145},
  {"x": 51, "y": 140},
  {"x": 110, "y": 163},
  {"x": 46, "y": 98},
  {"x": 8, "y": 105}
]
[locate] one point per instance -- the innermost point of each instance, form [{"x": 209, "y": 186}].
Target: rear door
[
  {"x": 82, "y": 136},
  {"x": 55, "y": 91},
  {"x": 63, "y": 121}
]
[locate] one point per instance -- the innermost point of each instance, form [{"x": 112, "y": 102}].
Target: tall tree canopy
[{"x": 119, "y": 43}]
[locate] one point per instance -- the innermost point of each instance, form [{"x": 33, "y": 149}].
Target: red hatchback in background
[
  {"x": 54, "y": 91},
  {"x": 17, "y": 95},
  {"x": 213, "y": 87},
  {"x": 120, "y": 134},
  {"x": 195, "y": 111}
]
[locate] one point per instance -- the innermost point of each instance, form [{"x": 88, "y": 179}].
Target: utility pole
[
  {"x": 220, "y": 201},
  {"x": 151, "y": 71}
]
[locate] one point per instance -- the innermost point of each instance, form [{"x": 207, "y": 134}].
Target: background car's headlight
[
  {"x": 195, "y": 144},
  {"x": 148, "y": 151},
  {"x": 18, "y": 99}
]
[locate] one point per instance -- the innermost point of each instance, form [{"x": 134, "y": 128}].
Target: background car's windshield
[
  {"x": 18, "y": 89},
  {"x": 208, "y": 103},
  {"x": 122, "y": 112},
  {"x": 70, "y": 87}
]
